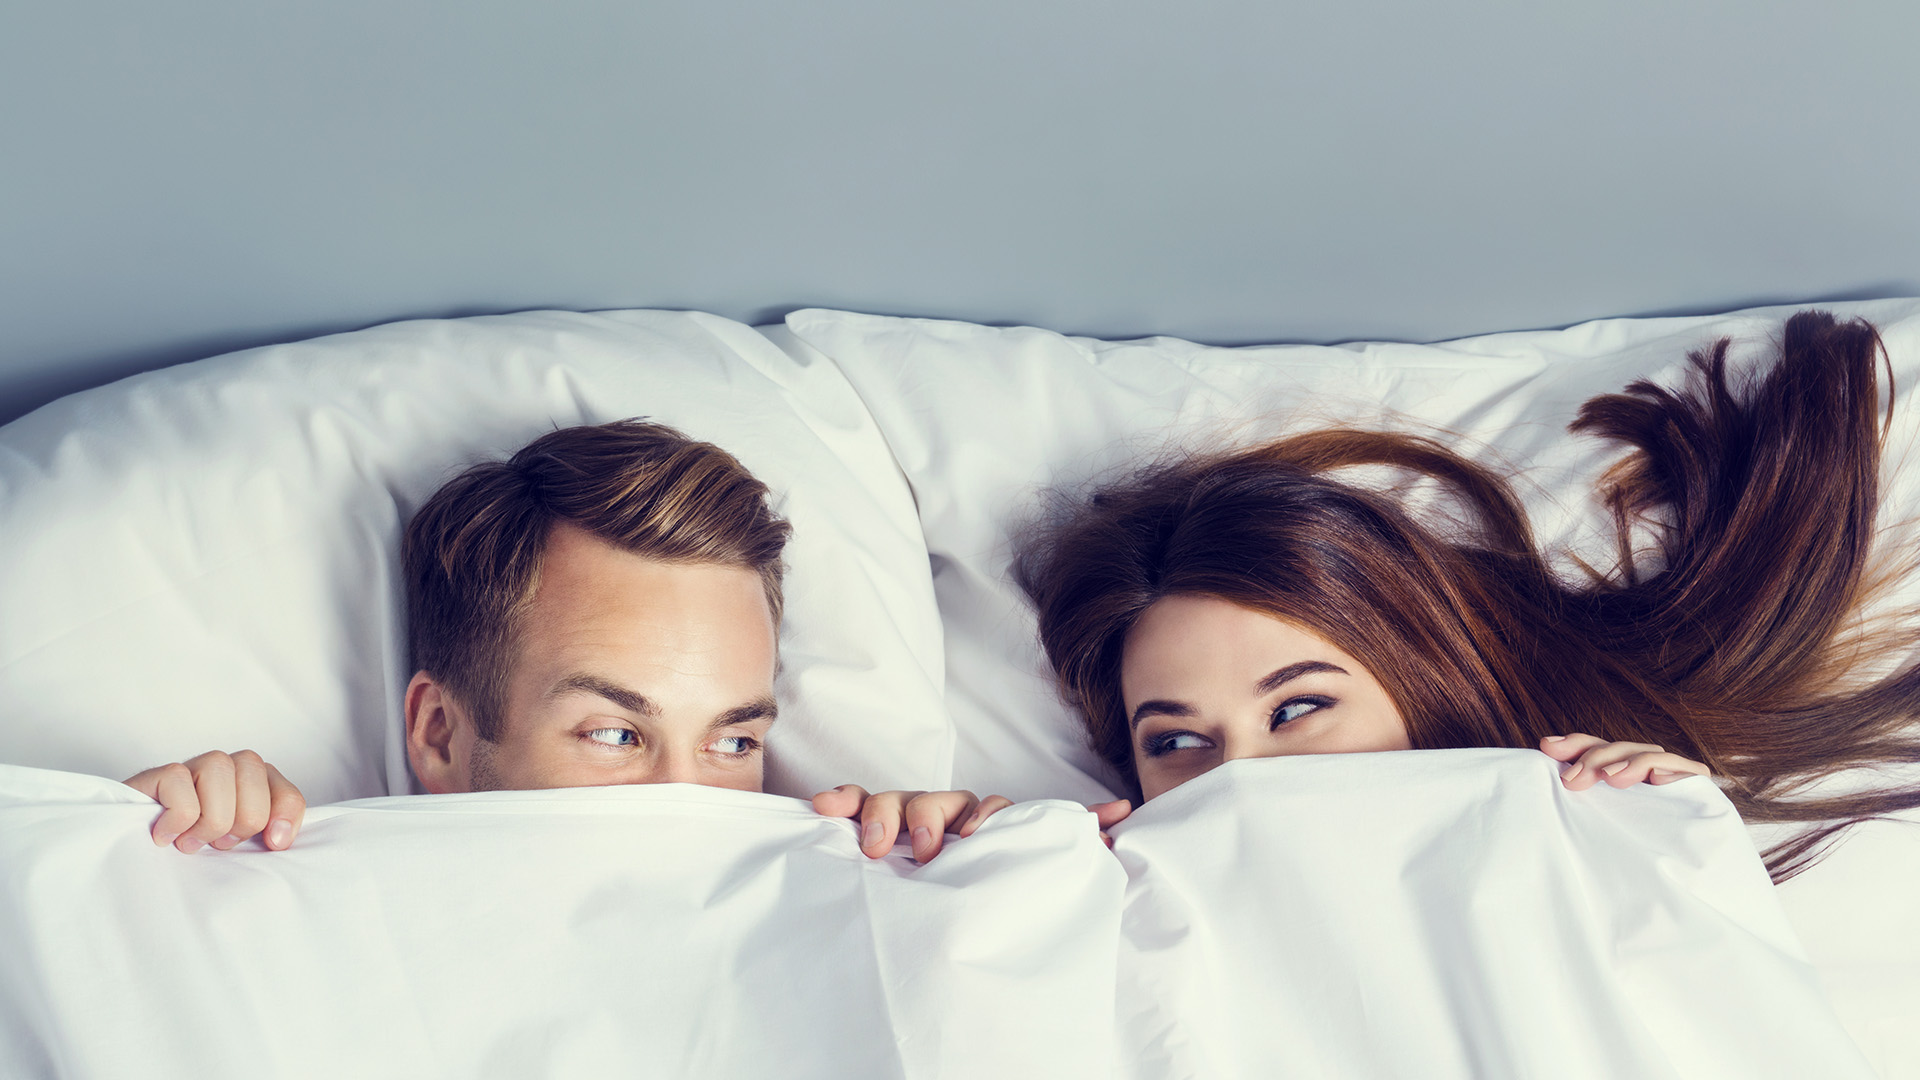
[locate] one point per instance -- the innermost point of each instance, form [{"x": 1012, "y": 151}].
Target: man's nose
[{"x": 676, "y": 766}]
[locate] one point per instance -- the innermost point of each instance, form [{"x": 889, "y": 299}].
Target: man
[{"x": 602, "y": 608}]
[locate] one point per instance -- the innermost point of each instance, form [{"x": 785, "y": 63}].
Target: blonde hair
[{"x": 472, "y": 554}]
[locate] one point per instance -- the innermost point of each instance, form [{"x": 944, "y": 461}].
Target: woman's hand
[
  {"x": 929, "y": 815},
  {"x": 218, "y": 800},
  {"x": 1621, "y": 764}
]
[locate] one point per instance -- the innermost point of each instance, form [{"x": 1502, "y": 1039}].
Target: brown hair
[
  {"x": 472, "y": 554},
  {"x": 1733, "y": 650}
]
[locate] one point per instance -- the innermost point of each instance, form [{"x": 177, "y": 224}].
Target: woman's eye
[
  {"x": 1168, "y": 742},
  {"x": 614, "y": 736},
  {"x": 736, "y": 745},
  {"x": 1296, "y": 708}
]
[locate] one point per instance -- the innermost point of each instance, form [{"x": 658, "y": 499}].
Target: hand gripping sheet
[
  {"x": 667, "y": 931},
  {"x": 1433, "y": 915}
]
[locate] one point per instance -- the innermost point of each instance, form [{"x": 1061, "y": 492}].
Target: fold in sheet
[
  {"x": 665, "y": 931},
  {"x": 1420, "y": 914},
  {"x": 1432, "y": 915}
]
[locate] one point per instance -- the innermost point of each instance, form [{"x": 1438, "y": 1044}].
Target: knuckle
[
  {"x": 248, "y": 757},
  {"x": 245, "y": 825}
]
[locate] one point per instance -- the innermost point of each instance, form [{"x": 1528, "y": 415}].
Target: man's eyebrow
[
  {"x": 582, "y": 683},
  {"x": 1285, "y": 675},
  {"x": 759, "y": 709},
  {"x": 1159, "y": 707}
]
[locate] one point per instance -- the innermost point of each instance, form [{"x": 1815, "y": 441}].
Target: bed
[{"x": 203, "y": 557}]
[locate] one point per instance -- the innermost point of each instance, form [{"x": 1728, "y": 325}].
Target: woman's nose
[{"x": 1250, "y": 748}]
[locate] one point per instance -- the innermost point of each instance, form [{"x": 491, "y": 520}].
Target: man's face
[{"x": 629, "y": 671}]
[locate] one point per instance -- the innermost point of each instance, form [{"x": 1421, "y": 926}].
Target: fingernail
[
  {"x": 922, "y": 837},
  {"x": 1614, "y": 768},
  {"x": 871, "y": 834},
  {"x": 192, "y": 846},
  {"x": 1556, "y": 738},
  {"x": 280, "y": 833},
  {"x": 1571, "y": 771},
  {"x": 163, "y": 839}
]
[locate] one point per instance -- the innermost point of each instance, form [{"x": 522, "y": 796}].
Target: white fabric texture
[
  {"x": 1422, "y": 915},
  {"x": 206, "y": 557},
  {"x": 656, "y": 931},
  {"x": 985, "y": 420},
  {"x": 1457, "y": 915}
]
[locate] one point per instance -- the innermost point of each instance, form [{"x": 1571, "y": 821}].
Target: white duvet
[{"x": 1420, "y": 914}]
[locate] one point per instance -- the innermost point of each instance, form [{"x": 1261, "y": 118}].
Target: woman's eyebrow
[
  {"x": 1159, "y": 707},
  {"x": 1285, "y": 675}
]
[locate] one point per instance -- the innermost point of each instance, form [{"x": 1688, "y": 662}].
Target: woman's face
[{"x": 1206, "y": 681}]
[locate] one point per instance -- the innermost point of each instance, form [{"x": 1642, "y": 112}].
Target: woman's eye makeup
[
  {"x": 613, "y": 737},
  {"x": 1295, "y": 708},
  {"x": 1167, "y": 742}
]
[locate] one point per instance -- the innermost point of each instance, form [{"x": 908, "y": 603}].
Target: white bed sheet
[
  {"x": 663, "y": 931},
  {"x": 1422, "y": 915},
  {"x": 1456, "y": 915}
]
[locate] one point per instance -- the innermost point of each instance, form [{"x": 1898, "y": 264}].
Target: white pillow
[
  {"x": 984, "y": 419},
  {"x": 205, "y": 557}
]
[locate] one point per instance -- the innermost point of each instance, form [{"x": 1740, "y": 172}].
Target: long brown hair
[
  {"x": 472, "y": 553},
  {"x": 1732, "y": 642}
]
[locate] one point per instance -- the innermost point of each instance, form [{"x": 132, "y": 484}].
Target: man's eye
[
  {"x": 736, "y": 745},
  {"x": 1168, "y": 742},
  {"x": 614, "y": 736}
]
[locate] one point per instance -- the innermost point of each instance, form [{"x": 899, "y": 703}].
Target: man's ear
[{"x": 432, "y": 716}]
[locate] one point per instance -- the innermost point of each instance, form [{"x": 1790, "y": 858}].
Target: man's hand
[
  {"x": 218, "y": 800},
  {"x": 1621, "y": 764},
  {"x": 929, "y": 815}
]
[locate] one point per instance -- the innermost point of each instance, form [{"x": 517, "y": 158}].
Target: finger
[
  {"x": 1109, "y": 814},
  {"x": 880, "y": 821},
  {"x": 287, "y": 810},
  {"x": 1640, "y": 767},
  {"x": 844, "y": 801},
  {"x": 213, "y": 783},
  {"x": 1585, "y": 771},
  {"x": 1568, "y": 747},
  {"x": 251, "y": 800},
  {"x": 172, "y": 787},
  {"x": 929, "y": 816},
  {"x": 988, "y": 807}
]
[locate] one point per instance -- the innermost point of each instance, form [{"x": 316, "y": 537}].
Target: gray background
[{"x": 181, "y": 179}]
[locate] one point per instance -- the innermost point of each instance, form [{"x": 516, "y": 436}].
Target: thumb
[{"x": 1109, "y": 814}]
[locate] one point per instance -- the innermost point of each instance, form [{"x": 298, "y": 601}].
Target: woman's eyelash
[
  {"x": 1162, "y": 743},
  {"x": 1295, "y": 708},
  {"x": 748, "y": 744}
]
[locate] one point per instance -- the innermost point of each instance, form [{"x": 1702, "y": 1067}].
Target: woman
[{"x": 1252, "y": 603}]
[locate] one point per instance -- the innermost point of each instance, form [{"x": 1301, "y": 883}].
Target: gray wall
[{"x": 179, "y": 179}]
